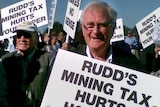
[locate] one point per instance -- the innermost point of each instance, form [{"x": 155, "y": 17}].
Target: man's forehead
[
  {"x": 96, "y": 15},
  {"x": 90, "y": 20}
]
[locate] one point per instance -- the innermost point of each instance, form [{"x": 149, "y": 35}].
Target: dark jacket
[
  {"x": 121, "y": 55},
  {"x": 156, "y": 64},
  {"x": 20, "y": 93}
]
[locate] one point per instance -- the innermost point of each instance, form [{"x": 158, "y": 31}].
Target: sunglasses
[{"x": 24, "y": 34}]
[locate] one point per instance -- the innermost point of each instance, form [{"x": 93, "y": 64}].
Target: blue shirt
[{"x": 132, "y": 41}]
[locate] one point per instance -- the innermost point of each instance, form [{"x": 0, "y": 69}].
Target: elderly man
[
  {"x": 24, "y": 73},
  {"x": 98, "y": 21}
]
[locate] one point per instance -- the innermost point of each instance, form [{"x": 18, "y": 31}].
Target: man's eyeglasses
[
  {"x": 101, "y": 26},
  {"x": 23, "y": 33}
]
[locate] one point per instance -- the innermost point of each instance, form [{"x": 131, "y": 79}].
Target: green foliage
[{"x": 57, "y": 27}]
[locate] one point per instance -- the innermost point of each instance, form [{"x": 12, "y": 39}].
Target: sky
[{"x": 131, "y": 11}]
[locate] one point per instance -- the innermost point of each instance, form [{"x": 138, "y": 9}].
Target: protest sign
[
  {"x": 0, "y": 24},
  {"x": 52, "y": 13},
  {"x": 79, "y": 15},
  {"x": 119, "y": 31},
  {"x": 71, "y": 18},
  {"x": 145, "y": 27},
  {"x": 26, "y": 10},
  {"x": 80, "y": 81}
]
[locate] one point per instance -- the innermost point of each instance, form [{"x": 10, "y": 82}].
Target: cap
[
  {"x": 26, "y": 26},
  {"x": 156, "y": 34}
]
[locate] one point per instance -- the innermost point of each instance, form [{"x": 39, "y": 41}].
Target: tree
[{"x": 57, "y": 26}]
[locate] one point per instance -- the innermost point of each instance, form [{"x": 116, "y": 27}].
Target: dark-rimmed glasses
[
  {"x": 23, "y": 33},
  {"x": 101, "y": 26}
]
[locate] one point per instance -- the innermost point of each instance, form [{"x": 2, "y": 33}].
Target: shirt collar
[
  {"x": 29, "y": 56},
  {"x": 109, "y": 57}
]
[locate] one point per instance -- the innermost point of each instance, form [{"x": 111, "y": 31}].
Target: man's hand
[
  {"x": 65, "y": 46},
  {"x": 156, "y": 49}
]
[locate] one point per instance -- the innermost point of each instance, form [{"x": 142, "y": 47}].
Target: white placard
[
  {"x": 0, "y": 24},
  {"x": 145, "y": 27},
  {"x": 26, "y": 10},
  {"x": 79, "y": 81},
  {"x": 52, "y": 13},
  {"x": 119, "y": 31},
  {"x": 71, "y": 17}
]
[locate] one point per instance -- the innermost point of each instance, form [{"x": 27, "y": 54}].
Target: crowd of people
[{"x": 24, "y": 72}]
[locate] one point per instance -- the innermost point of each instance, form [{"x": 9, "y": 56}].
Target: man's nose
[{"x": 96, "y": 29}]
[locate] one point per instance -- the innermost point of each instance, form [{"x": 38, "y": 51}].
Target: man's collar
[
  {"x": 109, "y": 55},
  {"x": 29, "y": 56}
]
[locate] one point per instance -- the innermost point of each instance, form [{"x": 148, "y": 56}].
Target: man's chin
[
  {"x": 96, "y": 43},
  {"x": 22, "y": 49}
]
